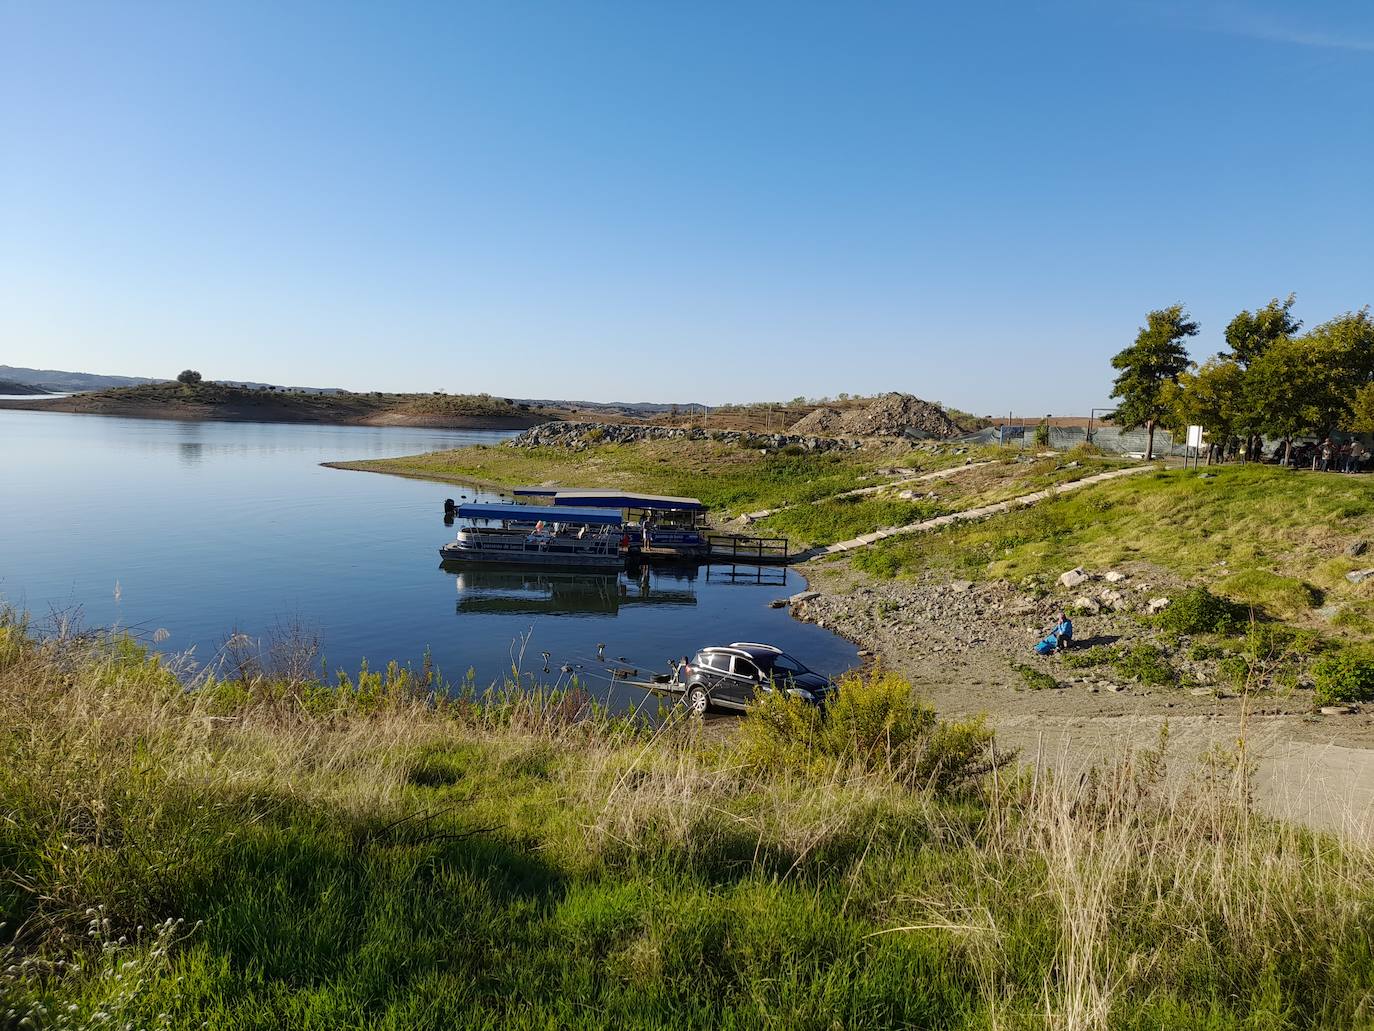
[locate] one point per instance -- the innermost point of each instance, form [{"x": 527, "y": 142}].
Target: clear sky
[{"x": 974, "y": 202}]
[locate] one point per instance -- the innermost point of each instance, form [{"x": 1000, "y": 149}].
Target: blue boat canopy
[
  {"x": 617, "y": 499},
  {"x": 531, "y": 513}
]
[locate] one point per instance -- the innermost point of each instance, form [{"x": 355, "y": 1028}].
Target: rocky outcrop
[
  {"x": 579, "y": 436},
  {"x": 891, "y": 415}
]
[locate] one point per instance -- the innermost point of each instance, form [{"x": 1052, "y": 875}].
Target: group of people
[{"x": 1347, "y": 457}]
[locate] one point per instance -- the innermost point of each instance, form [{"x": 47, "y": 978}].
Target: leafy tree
[
  {"x": 1362, "y": 410},
  {"x": 1212, "y": 396},
  {"x": 190, "y": 377},
  {"x": 1343, "y": 364},
  {"x": 1155, "y": 359},
  {"x": 1281, "y": 386},
  {"x": 1249, "y": 334}
]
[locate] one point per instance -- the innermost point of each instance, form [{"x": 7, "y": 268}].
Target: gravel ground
[{"x": 959, "y": 641}]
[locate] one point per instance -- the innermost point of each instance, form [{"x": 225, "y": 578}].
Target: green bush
[
  {"x": 1343, "y": 678},
  {"x": 1147, "y": 664},
  {"x": 1199, "y": 611},
  {"x": 1036, "y": 680},
  {"x": 1203, "y": 652},
  {"x": 875, "y": 725},
  {"x": 1235, "y": 670}
]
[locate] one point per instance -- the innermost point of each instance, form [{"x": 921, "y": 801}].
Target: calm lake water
[{"x": 201, "y": 529}]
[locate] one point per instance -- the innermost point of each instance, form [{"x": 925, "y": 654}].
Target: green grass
[
  {"x": 838, "y": 519},
  {"x": 1034, "y": 679},
  {"x": 371, "y": 857},
  {"x": 724, "y": 476},
  {"x": 1266, "y": 537}
]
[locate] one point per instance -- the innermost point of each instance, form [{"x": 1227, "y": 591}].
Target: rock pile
[
  {"x": 578, "y": 436},
  {"x": 891, "y": 415}
]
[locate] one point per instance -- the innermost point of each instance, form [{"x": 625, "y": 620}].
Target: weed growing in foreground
[
  {"x": 410, "y": 864},
  {"x": 876, "y": 723},
  {"x": 1097, "y": 655}
]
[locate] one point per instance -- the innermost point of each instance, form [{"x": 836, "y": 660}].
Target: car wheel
[{"x": 697, "y": 700}]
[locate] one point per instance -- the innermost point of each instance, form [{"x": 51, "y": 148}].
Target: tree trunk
[
  {"x": 1150, "y": 440},
  {"x": 1287, "y": 451}
]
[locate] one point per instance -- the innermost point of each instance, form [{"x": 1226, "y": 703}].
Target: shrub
[
  {"x": 1147, "y": 664},
  {"x": 1199, "y": 611},
  {"x": 1036, "y": 680},
  {"x": 190, "y": 377},
  {"x": 875, "y": 725},
  {"x": 1203, "y": 652},
  {"x": 594, "y": 434},
  {"x": 1343, "y": 678}
]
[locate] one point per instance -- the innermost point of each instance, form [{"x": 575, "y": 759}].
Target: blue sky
[{"x": 974, "y": 202}]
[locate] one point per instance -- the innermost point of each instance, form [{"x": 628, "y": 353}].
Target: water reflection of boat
[{"x": 530, "y": 592}]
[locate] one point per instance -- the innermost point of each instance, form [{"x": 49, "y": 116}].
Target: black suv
[{"x": 729, "y": 676}]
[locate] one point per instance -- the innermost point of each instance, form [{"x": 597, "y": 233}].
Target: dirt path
[
  {"x": 982, "y": 512},
  {"x": 859, "y": 492},
  {"x": 960, "y": 643}
]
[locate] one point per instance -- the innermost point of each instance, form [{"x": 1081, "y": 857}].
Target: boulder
[
  {"x": 1073, "y": 578},
  {"x": 1085, "y": 604},
  {"x": 1114, "y": 577},
  {"x": 1356, "y": 548},
  {"x": 801, "y": 597},
  {"x": 1160, "y": 604},
  {"x": 1359, "y": 576},
  {"x": 960, "y": 586}
]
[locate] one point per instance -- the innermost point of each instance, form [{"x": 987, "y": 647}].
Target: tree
[
  {"x": 1212, "y": 396},
  {"x": 1156, "y": 358},
  {"x": 1249, "y": 334},
  {"x": 1362, "y": 410},
  {"x": 1279, "y": 385},
  {"x": 190, "y": 377}
]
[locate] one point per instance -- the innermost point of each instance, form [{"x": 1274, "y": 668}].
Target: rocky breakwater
[{"x": 578, "y": 436}]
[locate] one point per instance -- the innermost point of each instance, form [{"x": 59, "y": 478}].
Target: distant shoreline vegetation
[{"x": 220, "y": 401}]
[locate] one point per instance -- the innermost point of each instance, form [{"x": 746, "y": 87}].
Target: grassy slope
[
  {"x": 724, "y": 476},
  {"x": 358, "y": 858},
  {"x": 1262, "y": 535}
]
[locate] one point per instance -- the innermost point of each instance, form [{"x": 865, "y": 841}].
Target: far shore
[{"x": 81, "y": 404}]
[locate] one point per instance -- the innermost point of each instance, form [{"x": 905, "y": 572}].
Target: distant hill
[
  {"x": 209, "y": 400},
  {"x": 56, "y": 381},
  {"x": 9, "y": 386}
]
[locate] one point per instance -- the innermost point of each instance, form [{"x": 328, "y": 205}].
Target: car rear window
[{"x": 712, "y": 660}]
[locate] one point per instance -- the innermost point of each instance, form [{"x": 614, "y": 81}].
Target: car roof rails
[{"x": 755, "y": 644}]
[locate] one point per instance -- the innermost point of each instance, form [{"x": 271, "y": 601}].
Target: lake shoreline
[{"x": 267, "y": 413}]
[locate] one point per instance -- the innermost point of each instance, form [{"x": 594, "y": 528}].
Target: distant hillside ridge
[
  {"x": 57, "y": 381},
  {"x": 221, "y": 401},
  {"x": 9, "y": 386}
]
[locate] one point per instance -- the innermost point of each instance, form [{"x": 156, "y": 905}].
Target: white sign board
[{"x": 1195, "y": 436}]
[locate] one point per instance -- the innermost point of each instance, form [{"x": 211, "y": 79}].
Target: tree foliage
[
  {"x": 1250, "y": 334},
  {"x": 1148, "y": 367},
  {"x": 190, "y": 377},
  {"x": 1274, "y": 381}
]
